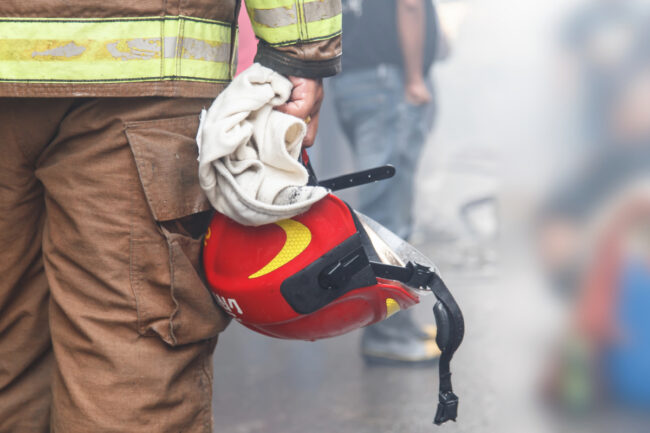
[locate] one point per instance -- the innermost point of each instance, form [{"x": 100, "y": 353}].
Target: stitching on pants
[
  {"x": 134, "y": 283},
  {"x": 207, "y": 384},
  {"x": 172, "y": 289}
]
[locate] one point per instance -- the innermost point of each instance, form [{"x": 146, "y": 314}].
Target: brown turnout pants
[{"x": 105, "y": 323}]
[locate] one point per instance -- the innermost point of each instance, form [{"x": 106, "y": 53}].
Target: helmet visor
[{"x": 393, "y": 250}]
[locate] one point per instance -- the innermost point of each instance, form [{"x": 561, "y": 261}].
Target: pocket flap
[{"x": 165, "y": 153}]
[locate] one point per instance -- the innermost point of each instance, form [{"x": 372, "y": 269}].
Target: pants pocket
[{"x": 172, "y": 299}]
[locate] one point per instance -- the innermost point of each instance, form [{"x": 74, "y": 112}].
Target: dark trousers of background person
[{"x": 384, "y": 128}]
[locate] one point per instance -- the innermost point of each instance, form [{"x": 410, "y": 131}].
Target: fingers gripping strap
[{"x": 304, "y": 159}]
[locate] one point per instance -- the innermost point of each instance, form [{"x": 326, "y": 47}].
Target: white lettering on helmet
[
  {"x": 229, "y": 305},
  {"x": 233, "y": 304}
]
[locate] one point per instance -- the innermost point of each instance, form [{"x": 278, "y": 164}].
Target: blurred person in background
[
  {"x": 606, "y": 47},
  {"x": 384, "y": 101},
  {"x": 601, "y": 42},
  {"x": 607, "y": 81},
  {"x": 605, "y": 361},
  {"x": 594, "y": 226}
]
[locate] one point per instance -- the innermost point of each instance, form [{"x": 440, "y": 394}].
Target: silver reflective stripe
[
  {"x": 201, "y": 50},
  {"x": 321, "y": 10},
  {"x": 276, "y": 17},
  {"x": 189, "y": 48},
  {"x": 68, "y": 50},
  {"x": 282, "y": 16}
]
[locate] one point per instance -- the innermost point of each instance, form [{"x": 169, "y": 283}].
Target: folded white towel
[{"x": 248, "y": 152}]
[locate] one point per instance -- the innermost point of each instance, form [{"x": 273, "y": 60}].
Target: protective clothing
[
  {"x": 100, "y": 275},
  {"x": 102, "y": 212},
  {"x": 153, "y": 48}
]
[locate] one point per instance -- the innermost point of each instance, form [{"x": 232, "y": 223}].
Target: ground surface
[{"x": 264, "y": 385}]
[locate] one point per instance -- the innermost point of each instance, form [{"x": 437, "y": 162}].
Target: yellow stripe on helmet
[
  {"x": 392, "y": 307},
  {"x": 297, "y": 241}
]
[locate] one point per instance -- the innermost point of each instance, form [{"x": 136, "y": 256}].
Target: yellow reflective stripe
[
  {"x": 270, "y": 4},
  {"x": 110, "y": 28},
  {"x": 284, "y": 22},
  {"x": 196, "y": 68},
  {"x": 324, "y": 29},
  {"x": 298, "y": 238},
  {"x": 114, "y": 49},
  {"x": 111, "y": 71}
]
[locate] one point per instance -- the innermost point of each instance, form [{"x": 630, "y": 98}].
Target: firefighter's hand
[
  {"x": 304, "y": 102},
  {"x": 417, "y": 93}
]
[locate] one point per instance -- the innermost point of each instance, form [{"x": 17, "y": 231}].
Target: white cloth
[{"x": 248, "y": 152}]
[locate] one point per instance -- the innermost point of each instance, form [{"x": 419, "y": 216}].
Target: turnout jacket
[{"x": 173, "y": 48}]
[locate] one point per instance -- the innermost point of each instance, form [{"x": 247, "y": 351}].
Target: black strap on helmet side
[
  {"x": 349, "y": 180},
  {"x": 450, "y": 322},
  {"x": 358, "y": 178},
  {"x": 449, "y": 319}
]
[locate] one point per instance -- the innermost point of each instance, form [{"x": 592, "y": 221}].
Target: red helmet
[
  {"x": 308, "y": 277},
  {"x": 326, "y": 272}
]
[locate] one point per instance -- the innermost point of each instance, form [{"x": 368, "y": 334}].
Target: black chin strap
[{"x": 449, "y": 320}]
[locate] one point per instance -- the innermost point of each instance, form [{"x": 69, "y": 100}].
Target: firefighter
[{"x": 105, "y": 322}]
